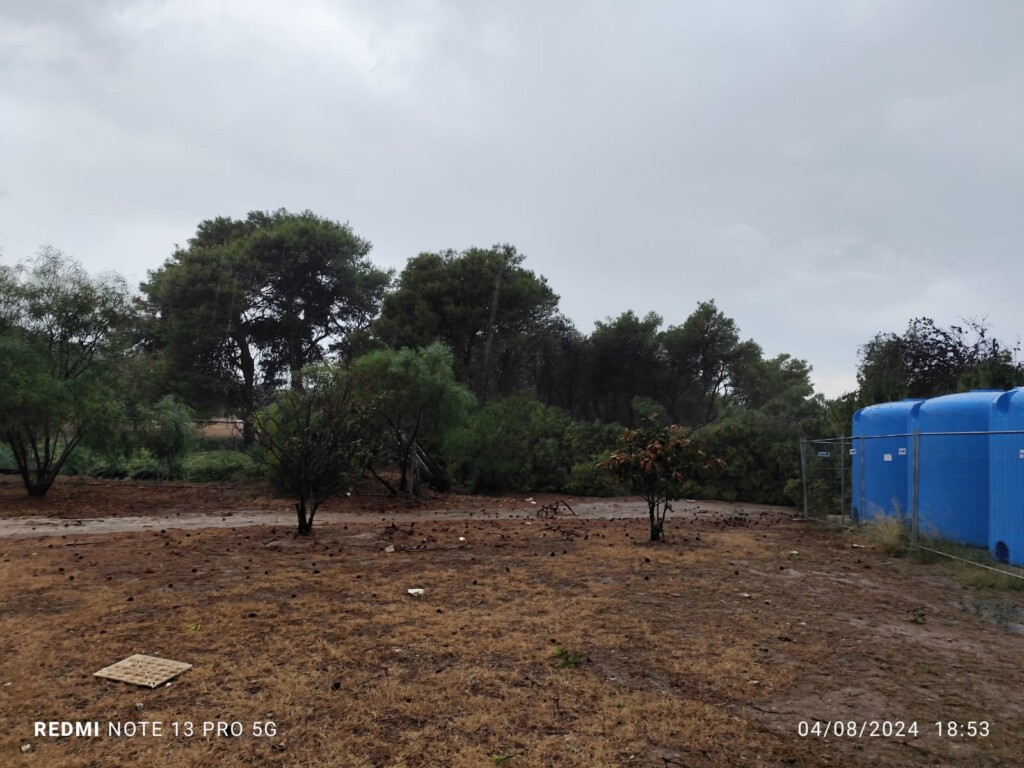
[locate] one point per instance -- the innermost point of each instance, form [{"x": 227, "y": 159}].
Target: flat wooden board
[{"x": 148, "y": 671}]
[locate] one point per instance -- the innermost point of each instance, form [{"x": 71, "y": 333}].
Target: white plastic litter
[
  {"x": 416, "y": 592},
  {"x": 389, "y": 548}
]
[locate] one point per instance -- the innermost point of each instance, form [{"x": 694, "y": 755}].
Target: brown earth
[{"x": 568, "y": 641}]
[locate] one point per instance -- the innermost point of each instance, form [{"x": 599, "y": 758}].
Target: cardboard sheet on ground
[{"x": 149, "y": 671}]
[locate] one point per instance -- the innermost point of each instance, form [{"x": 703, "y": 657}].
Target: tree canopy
[
  {"x": 248, "y": 304},
  {"x": 414, "y": 398},
  {"x": 62, "y": 334},
  {"x": 481, "y": 303},
  {"x": 928, "y": 360}
]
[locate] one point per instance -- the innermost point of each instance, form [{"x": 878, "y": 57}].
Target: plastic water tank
[
  {"x": 1006, "y": 479},
  {"x": 881, "y": 463},
  {"x": 953, "y": 466}
]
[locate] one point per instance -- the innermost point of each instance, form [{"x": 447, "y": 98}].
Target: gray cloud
[{"x": 824, "y": 170}]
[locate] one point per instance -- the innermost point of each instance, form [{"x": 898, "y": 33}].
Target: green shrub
[
  {"x": 515, "y": 444},
  {"x": 92, "y": 463},
  {"x": 220, "y": 466},
  {"x": 168, "y": 433},
  {"x": 588, "y": 479},
  {"x": 7, "y": 458},
  {"x": 143, "y": 465}
]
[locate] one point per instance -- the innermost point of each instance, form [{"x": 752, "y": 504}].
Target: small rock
[
  {"x": 26, "y": 747},
  {"x": 416, "y": 592},
  {"x": 389, "y": 548}
]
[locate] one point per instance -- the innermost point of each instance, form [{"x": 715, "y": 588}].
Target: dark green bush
[
  {"x": 220, "y": 466},
  {"x": 515, "y": 444},
  {"x": 143, "y": 465}
]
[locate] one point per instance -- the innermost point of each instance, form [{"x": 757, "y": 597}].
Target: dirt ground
[{"x": 565, "y": 641}]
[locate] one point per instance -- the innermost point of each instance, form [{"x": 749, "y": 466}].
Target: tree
[
  {"x": 247, "y": 304},
  {"x": 168, "y": 431},
  {"x": 703, "y": 355},
  {"x": 622, "y": 360},
  {"x": 653, "y": 462},
  {"x": 481, "y": 303},
  {"x": 416, "y": 400},
  {"x": 928, "y": 360},
  {"x": 312, "y": 439},
  {"x": 62, "y": 333}
]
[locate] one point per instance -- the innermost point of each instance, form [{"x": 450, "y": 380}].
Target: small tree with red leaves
[{"x": 654, "y": 462}]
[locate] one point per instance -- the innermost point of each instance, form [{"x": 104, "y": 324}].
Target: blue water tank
[
  {"x": 881, "y": 464},
  {"x": 953, "y": 471},
  {"x": 1006, "y": 479}
]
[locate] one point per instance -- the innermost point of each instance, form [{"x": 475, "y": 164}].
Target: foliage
[
  {"x": 654, "y": 462},
  {"x": 758, "y": 433},
  {"x": 249, "y": 303},
  {"x": 219, "y": 466},
  {"x": 312, "y": 440},
  {"x": 481, "y": 303},
  {"x": 929, "y": 361},
  {"x": 61, "y": 337},
  {"x": 621, "y": 361},
  {"x": 514, "y": 444},
  {"x": 702, "y": 357},
  {"x": 143, "y": 465},
  {"x": 168, "y": 431},
  {"x": 567, "y": 659},
  {"x": 414, "y": 398},
  {"x": 587, "y": 445}
]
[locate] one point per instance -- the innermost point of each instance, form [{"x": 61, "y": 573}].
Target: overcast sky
[{"x": 823, "y": 170}]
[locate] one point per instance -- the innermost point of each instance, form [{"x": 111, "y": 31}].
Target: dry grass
[
  {"x": 887, "y": 532},
  {"x": 705, "y": 651}
]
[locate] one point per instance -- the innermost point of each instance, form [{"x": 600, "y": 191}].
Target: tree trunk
[
  {"x": 305, "y": 524},
  {"x": 657, "y": 526}
]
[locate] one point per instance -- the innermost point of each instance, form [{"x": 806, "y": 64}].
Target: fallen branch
[{"x": 551, "y": 510}]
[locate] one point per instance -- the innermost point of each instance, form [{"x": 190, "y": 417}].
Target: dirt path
[{"x": 34, "y": 527}]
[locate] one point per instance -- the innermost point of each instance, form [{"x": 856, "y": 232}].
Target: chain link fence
[{"x": 959, "y": 488}]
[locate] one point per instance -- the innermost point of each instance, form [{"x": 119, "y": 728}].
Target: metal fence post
[
  {"x": 842, "y": 481},
  {"x": 803, "y": 471},
  {"x": 916, "y": 486},
  {"x": 861, "y": 461}
]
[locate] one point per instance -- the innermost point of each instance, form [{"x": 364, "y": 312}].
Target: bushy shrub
[
  {"x": 588, "y": 444},
  {"x": 7, "y": 462},
  {"x": 168, "y": 432},
  {"x": 515, "y": 444},
  {"x": 586, "y": 478},
  {"x": 94, "y": 463},
  {"x": 220, "y": 466},
  {"x": 761, "y": 457},
  {"x": 143, "y": 465}
]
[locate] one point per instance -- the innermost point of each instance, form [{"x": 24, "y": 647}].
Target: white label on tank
[
  {"x": 887, "y": 457},
  {"x": 1022, "y": 453},
  {"x": 853, "y": 451},
  {"x": 903, "y": 451}
]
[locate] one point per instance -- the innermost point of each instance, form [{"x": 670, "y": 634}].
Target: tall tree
[
  {"x": 248, "y": 303},
  {"x": 62, "y": 334},
  {"x": 622, "y": 360},
  {"x": 481, "y": 303},
  {"x": 414, "y": 398},
  {"x": 702, "y": 355}
]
